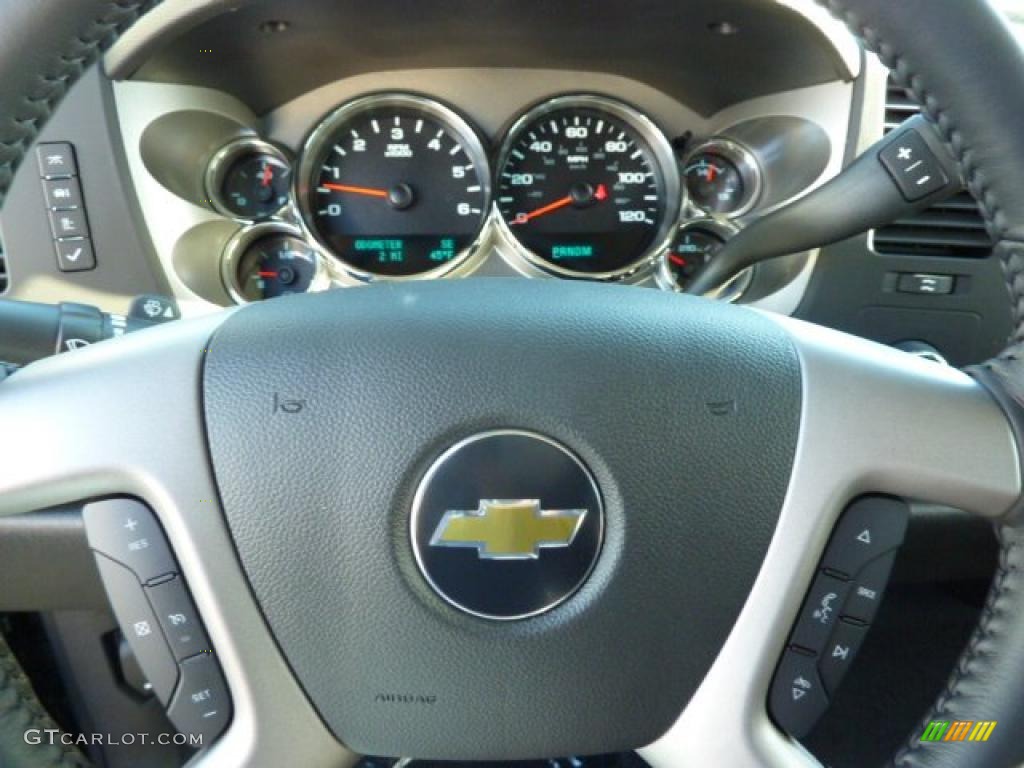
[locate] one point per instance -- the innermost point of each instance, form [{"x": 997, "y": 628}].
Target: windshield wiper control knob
[
  {"x": 905, "y": 172},
  {"x": 31, "y": 331}
]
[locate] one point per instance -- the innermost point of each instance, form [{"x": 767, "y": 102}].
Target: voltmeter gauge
[{"x": 722, "y": 178}]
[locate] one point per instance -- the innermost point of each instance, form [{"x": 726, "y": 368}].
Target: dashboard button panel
[{"x": 62, "y": 192}]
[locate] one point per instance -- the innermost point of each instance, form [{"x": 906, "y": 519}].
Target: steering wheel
[{"x": 284, "y": 445}]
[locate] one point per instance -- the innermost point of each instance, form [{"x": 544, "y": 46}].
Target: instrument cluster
[{"x": 397, "y": 186}]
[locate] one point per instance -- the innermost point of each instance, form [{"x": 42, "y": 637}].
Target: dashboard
[
  {"x": 451, "y": 173},
  {"x": 397, "y": 185}
]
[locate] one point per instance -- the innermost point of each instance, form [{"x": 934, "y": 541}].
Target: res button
[{"x": 126, "y": 531}]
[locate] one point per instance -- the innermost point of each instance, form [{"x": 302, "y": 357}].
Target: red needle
[
  {"x": 357, "y": 190},
  {"x": 601, "y": 193},
  {"x": 677, "y": 260},
  {"x": 267, "y": 274},
  {"x": 711, "y": 173},
  {"x": 267, "y": 176}
]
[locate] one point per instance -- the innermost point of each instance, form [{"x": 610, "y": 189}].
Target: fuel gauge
[
  {"x": 249, "y": 180},
  {"x": 269, "y": 261}
]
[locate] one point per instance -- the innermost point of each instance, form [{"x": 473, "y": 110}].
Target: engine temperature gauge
[
  {"x": 267, "y": 261},
  {"x": 696, "y": 243}
]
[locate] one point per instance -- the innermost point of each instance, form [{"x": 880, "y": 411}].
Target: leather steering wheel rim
[{"x": 961, "y": 62}]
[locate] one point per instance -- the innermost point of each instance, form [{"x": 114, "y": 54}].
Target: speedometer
[
  {"x": 395, "y": 186},
  {"x": 587, "y": 187}
]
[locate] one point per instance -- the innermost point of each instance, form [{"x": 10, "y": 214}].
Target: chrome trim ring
[
  {"x": 221, "y": 162},
  {"x": 245, "y": 237},
  {"x": 525, "y": 260},
  {"x": 435, "y": 467},
  {"x": 746, "y": 163},
  {"x": 313, "y": 149},
  {"x": 733, "y": 288}
]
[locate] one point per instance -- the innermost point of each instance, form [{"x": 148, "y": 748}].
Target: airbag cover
[{"x": 325, "y": 411}]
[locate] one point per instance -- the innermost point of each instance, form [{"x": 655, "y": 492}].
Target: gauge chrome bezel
[
  {"x": 221, "y": 162},
  {"x": 732, "y": 289},
  {"x": 314, "y": 147},
  {"x": 245, "y": 237},
  {"x": 526, "y": 261},
  {"x": 747, "y": 165}
]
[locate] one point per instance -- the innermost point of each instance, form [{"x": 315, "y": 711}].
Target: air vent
[{"x": 953, "y": 227}]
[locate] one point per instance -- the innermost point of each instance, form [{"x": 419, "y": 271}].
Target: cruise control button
[
  {"x": 870, "y": 527},
  {"x": 201, "y": 705},
  {"x": 820, "y": 612},
  {"x": 868, "y": 588},
  {"x": 839, "y": 653},
  {"x": 797, "y": 699},
  {"x": 178, "y": 618},
  {"x": 126, "y": 531},
  {"x": 140, "y": 627}
]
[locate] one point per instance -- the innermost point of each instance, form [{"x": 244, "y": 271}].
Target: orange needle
[
  {"x": 525, "y": 217},
  {"x": 356, "y": 190}
]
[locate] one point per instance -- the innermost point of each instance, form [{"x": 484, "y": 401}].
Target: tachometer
[
  {"x": 395, "y": 186},
  {"x": 588, "y": 187}
]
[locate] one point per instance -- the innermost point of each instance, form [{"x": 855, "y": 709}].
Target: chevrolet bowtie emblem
[{"x": 508, "y": 529}]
